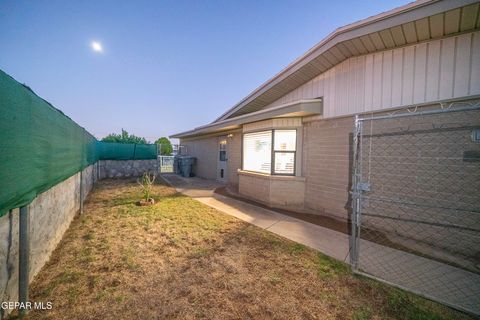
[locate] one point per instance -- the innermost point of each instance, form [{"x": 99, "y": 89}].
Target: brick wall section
[
  {"x": 327, "y": 166},
  {"x": 288, "y": 193},
  {"x": 206, "y": 152},
  {"x": 256, "y": 188},
  {"x": 279, "y": 192}
]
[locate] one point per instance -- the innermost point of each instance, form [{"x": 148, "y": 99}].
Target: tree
[
  {"x": 165, "y": 146},
  {"x": 124, "y": 137}
]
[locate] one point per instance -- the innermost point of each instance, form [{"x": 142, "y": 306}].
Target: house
[{"x": 288, "y": 144}]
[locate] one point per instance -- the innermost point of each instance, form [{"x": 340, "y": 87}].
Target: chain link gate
[
  {"x": 416, "y": 202},
  {"x": 166, "y": 160}
]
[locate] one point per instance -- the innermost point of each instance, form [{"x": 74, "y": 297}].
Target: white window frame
[{"x": 273, "y": 152}]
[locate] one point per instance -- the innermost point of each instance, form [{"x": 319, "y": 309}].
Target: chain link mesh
[{"x": 417, "y": 196}]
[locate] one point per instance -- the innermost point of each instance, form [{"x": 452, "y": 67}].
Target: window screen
[{"x": 257, "y": 151}]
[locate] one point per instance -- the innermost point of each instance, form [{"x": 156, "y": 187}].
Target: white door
[{"x": 222, "y": 160}]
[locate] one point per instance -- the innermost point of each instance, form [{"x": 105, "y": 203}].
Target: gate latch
[{"x": 363, "y": 186}]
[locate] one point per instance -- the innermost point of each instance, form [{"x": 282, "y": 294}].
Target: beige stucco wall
[
  {"x": 206, "y": 152},
  {"x": 234, "y": 154}
]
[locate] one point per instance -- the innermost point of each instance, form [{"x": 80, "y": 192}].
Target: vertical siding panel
[
  {"x": 344, "y": 89},
  {"x": 397, "y": 77},
  {"x": 368, "y": 83},
  {"x": 338, "y": 97},
  {"x": 352, "y": 67},
  {"x": 321, "y": 82},
  {"x": 290, "y": 96},
  {"x": 315, "y": 87},
  {"x": 301, "y": 91},
  {"x": 387, "y": 79},
  {"x": 420, "y": 73},
  {"x": 377, "y": 81},
  {"x": 307, "y": 90},
  {"x": 475, "y": 65},
  {"x": 332, "y": 91},
  {"x": 295, "y": 94},
  {"x": 426, "y": 72},
  {"x": 312, "y": 89},
  {"x": 433, "y": 68},
  {"x": 360, "y": 85},
  {"x": 311, "y": 94},
  {"x": 327, "y": 104},
  {"x": 447, "y": 68},
  {"x": 462, "y": 66},
  {"x": 408, "y": 71}
]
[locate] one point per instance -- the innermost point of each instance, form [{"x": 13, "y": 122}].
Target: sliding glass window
[
  {"x": 257, "y": 151},
  {"x": 271, "y": 152}
]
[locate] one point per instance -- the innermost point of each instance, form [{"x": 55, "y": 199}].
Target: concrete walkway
[
  {"x": 330, "y": 242},
  {"x": 438, "y": 281}
]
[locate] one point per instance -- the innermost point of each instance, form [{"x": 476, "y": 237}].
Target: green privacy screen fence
[
  {"x": 40, "y": 146},
  {"x": 126, "y": 151}
]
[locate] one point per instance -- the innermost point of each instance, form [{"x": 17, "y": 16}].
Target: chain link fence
[{"x": 416, "y": 202}]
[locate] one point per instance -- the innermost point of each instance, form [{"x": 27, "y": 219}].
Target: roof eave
[
  {"x": 300, "y": 108},
  {"x": 392, "y": 18}
]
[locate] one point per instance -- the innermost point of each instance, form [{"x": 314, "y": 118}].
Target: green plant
[
  {"x": 124, "y": 137},
  {"x": 166, "y": 148},
  {"x": 146, "y": 183}
]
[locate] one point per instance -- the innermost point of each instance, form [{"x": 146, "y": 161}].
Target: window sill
[{"x": 269, "y": 176}]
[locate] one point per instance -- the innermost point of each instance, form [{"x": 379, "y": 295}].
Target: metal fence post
[
  {"x": 81, "y": 191},
  {"x": 23, "y": 257},
  {"x": 356, "y": 176}
]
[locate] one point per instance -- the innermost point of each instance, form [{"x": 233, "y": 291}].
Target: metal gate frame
[
  {"x": 360, "y": 187},
  {"x": 162, "y": 164}
]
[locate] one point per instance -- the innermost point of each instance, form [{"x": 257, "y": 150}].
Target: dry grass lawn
[{"x": 183, "y": 260}]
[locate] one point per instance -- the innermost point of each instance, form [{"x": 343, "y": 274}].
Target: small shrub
[{"x": 146, "y": 183}]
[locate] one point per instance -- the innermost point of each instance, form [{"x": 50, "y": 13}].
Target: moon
[{"x": 96, "y": 46}]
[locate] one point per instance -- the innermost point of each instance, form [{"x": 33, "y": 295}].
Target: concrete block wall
[
  {"x": 276, "y": 191},
  {"x": 255, "y": 187},
  {"x": 432, "y": 163},
  {"x": 126, "y": 168},
  {"x": 50, "y": 214},
  {"x": 327, "y": 166}
]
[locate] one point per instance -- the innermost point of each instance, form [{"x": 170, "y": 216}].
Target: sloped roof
[{"x": 415, "y": 22}]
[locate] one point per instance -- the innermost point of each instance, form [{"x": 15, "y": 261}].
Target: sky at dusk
[{"x": 160, "y": 67}]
